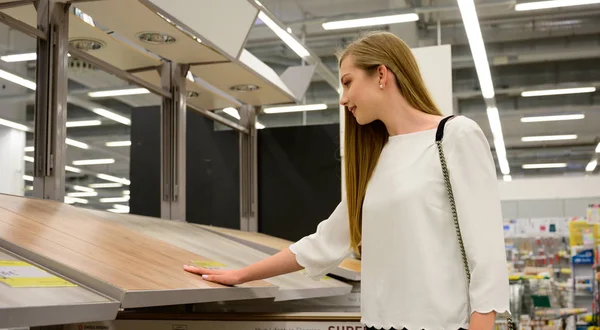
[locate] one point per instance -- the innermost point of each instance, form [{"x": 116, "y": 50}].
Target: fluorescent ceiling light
[
  {"x": 118, "y": 144},
  {"x": 496, "y": 127},
  {"x": 28, "y": 159},
  {"x": 113, "y": 179},
  {"x": 507, "y": 178},
  {"x": 85, "y": 189},
  {"x": 232, "y": 112},
  {"x": 542, "y": 166},
  {"x": 259, "y": 125},
  {"x": 73, "y": 200},
  {"x": 29, "y": 149},
  {"x": 598, "y": 148},
  {"x": 552, "y": 118},
  {"x": 473, "y": 30},
  {"x": 111, "y": 115},
  {"x": 14, "y": 125},
  {"x": 84, "y": 123},
  {"x": 76, "y": 144},
  {"x": 591, "y": 166},
  {"x": 93, "y": 161},
  {"x": 106, "y": 185},
  {"x": 370, "y": 21},
  {"x": 72, "y": 169},
  {"x": 121, "y": 211},
  {"x": 17, "y": 80},
  {"x": 121, "y": 207},
  {"x": 83, "y": 194},
  {"x": 19, "y": 57},
  {"x": 296, "y": 108},
  {"x": 115, "y": 199},
  {"x": 126, "y": 192},
  {"x": 537, "y": 5},
  {"x": 549, "y": 138},
  {"x": 189, "y": 76},
  {"x": 561, "y": 91},
  {"x": 119, "y": 92},
  {"x": 28, "y": 178},
  {"x": 286, "y": 37}
]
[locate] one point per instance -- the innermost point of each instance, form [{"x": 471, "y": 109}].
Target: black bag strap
[{"x": 439, "y": 135}]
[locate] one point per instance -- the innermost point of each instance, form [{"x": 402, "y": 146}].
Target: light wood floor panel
[{"x": 87, "y": 245}]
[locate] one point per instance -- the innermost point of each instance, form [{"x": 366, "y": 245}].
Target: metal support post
[
  {"x": 248, "y": 171},
  {"x": 173, "y": 142},
  {"x": 51, "y": 101}
]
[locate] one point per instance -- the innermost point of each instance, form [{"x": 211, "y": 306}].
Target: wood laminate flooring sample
[
  {"x": 133, "y": 268},
  {"x": 227, "y": 254},
  {"x": 348, "y": 269}
]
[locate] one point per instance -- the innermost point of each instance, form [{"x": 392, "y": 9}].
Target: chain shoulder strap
[{"x": 438, "y": 140}]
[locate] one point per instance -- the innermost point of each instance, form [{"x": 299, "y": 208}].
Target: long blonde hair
[{"x": 363, "y": 144}]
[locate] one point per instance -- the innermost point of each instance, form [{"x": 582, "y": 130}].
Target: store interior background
[{"x": 299, "y": 173}]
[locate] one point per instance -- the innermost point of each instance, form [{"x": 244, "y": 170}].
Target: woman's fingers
[{"x": 200, "y": 270}]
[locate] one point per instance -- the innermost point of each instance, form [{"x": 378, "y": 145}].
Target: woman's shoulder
[{"x": 461, "y": 126}]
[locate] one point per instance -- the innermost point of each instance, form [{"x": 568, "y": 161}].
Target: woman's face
[{"x": 361, "y": 94}]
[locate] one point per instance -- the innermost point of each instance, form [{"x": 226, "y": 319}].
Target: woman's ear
[{"x": 382, "y": 73}]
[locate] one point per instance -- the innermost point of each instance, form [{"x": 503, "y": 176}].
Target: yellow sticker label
[
  {"x": 209, "y": 264},
  {"x": 20, "y": 274}
]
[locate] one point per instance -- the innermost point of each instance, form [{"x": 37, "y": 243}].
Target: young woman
[{"x": 397, "y": 212}]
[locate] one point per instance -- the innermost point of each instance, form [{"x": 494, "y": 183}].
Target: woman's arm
[
  {"x": 481, "y": 321},
  {"x": 281, "y": 263}
]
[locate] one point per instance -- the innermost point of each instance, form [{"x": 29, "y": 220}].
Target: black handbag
[{"x": 438, "y": 140}]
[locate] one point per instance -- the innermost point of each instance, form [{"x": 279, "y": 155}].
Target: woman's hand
[{"x": 225, "y": 277}]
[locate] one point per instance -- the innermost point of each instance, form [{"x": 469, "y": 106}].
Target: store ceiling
[{"x": 527, "y": 51}]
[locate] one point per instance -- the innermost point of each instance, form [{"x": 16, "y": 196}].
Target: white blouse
[{"x": 412, "y": 270}]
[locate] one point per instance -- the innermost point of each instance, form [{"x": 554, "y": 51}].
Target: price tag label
[{"x": 20, "y": 274}]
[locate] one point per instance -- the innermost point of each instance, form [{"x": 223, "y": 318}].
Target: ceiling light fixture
[
  {"x": 473, "y": 30},
  {"x": 14, "y": 125},
  {"x": 507, "y": 178},
  {"x": 561, "y": 91},
  {"x": 84, "y": 189},
  {"x": 93, "y": 162},
  {"x": 370, "y": 21},
  {"x": 296, "y": 108},
  {"x": 29, "y": 159},
  {"x": 259, "y": 125},
  {"x": 119, "y": 211},
  {"x": 29, "y": 149},
  {"x": 19, "y": 57},
  {"x": 598, "y": 148},
  {"x": 591, "y": 166},
  {"x": 77, "y": 144},
  {"x": 543, "y": 166},
  {"x": 537, "y": 5},
  {"x": 113, "y": 116},
  {"x": 28, "y": 178},
  {"x": 113, "y": 179},
  {"x": 83, "y": 123},
  {"x": 232, "y": 112},
  {"x": 496, "y": 127},
  {"x": 115, "y": 199},
  {"x": 552, "y": 118},
  {"x": 73, "y": 200},
  {"x": 72, "y": 169},
  {"x": 118, "y": 144},
  {"x": 105, "y": 185},
  {"x": 87, "y": 44},
  {"x": 549, "y": 138},
  {"x": 119, "y": 92},
  {"x": 244, "y": 88},
  {"x": 285, "y": 36},
  {"x": 83, "y": 194},
  {"x": 17, "y": 80},
  {"x": 156, "y": 38}
]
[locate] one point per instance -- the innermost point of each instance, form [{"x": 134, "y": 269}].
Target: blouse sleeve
[
  {"x": 475, "y": 186},
  {"x": 321, "y": 252}
]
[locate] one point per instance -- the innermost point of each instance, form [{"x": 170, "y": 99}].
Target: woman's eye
[{"x": 347, "y": 83}]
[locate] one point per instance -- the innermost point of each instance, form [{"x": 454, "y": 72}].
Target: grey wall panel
[
  {"x": 540, "y": 208},
  {"x": 578, "y": 207},
  {"x": 510, "y": 209}
]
